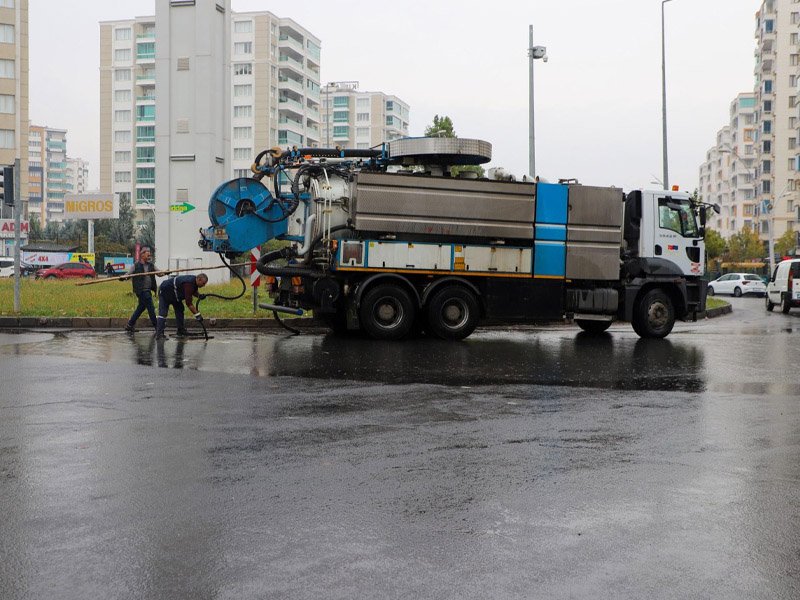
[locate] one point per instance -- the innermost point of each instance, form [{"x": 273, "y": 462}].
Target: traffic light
[{"x": 7, "y": 186}]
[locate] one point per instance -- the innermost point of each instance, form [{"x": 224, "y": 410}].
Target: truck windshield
[{"x": 677, "y": 216}]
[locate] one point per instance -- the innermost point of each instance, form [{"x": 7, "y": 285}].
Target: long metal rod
[
  {"x": 164, "y": 272},
  {"x": 532, "y": 134},
  {"x": 664, "y": 96}
]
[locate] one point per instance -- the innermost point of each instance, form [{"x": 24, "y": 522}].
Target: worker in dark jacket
[
  {"x": 174, "y": 292},
  {"x": 143, "y": 287}
]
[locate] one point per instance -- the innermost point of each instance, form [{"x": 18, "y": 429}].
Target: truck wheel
[
  {"x": 593, "y": 327},
  {"x": 785, "y": 304},
  {"x": 387, "y": 312},
  {"x": 453, "y": 313},
  {"x": 654, "y": 315},
  {"x": 769, "y": 304},
  {"x": 737, "y": 292}
]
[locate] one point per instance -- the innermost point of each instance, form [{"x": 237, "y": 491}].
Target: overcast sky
[{"x": 598, "y": 98}]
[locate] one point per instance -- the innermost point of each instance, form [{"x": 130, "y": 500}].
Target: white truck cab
[
  {"x": 784, "y": 286},
  {"x": 671, "y": 231}
]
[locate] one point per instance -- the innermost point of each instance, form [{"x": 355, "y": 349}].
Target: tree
[
  {"x": 34, "y": 228},
  {"x": 118, "y": 231},
  {"x": 146, "y": 236},
  {"x": 745, "y": 245},
  {"x": 441, "y": 127},
  {"x": 786, "y": 242},
  {"x": 715, "y": 244}
]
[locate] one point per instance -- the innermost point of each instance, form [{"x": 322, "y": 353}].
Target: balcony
[
  {"x": 145, "y": 37},
  {"x": 293, "y": 83},
  {"x": 145, "y": 99},
  {"x": 287, "y": 39},
  {"x": 291, "y": 62},
  {"x": 146, "y": 80},
  {"x": 289, "y": 102}
]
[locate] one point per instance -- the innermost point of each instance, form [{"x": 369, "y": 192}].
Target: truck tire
[
  {"x": 769, "y": 304},
  {"x": 387, "y": 312},
  {"x": 453, "y": 313},
  {"x": 654, "y": 315},
  {"x": 593, "y": 327},
  {"x": 785, "y": 304}
]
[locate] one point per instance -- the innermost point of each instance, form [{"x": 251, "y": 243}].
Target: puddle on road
[{"x": 549, "y": 358}]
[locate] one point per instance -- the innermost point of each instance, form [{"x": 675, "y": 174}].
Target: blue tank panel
[
  {"x": 550, "y": 232},
  {"x": 244, "y": 215}
]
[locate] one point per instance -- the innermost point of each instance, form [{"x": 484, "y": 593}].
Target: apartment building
[
  {"x": 357, "y": 119},
  {"x": 14, "y": 95},
  {"x": 48, "y": 182},
  {"x": 728, "y": 175},
  {"x": 77, "y": 176},
  {"x": 275, "y": 98},
  {"x": 777, "y": 65}
]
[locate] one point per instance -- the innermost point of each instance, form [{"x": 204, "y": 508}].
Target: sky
[{"x": 598, "y": 99}]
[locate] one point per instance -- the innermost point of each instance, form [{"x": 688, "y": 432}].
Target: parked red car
[{"x": 67, "y": 271}]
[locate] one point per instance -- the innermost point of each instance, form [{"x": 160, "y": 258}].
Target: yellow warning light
[{"x": 675, "y": 188}]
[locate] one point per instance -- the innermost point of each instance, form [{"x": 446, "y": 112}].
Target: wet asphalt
[{"x": 517, "y": 464}]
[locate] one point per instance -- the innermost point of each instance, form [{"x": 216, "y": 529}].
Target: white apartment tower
[
  {"x": 728, "y": 175},
  {"x": 355, "y": 119},
  {"x": 777, "y": 65},
  {"x": 274, "y": 98},
  {"x": 77, "y": 176},
  {"x": 47, "y": 152},
  {"x": 14, "y": 97}
]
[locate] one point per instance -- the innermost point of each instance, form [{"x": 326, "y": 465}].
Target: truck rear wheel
[
  {"x": 387, "y": 312},
  {"x": 453, "y": 313},
  {"x": 654, "y": 315},
  {"x": 593, "y": 327}
]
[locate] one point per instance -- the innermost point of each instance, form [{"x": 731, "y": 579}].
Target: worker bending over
[{"x": 173, "y": 292}]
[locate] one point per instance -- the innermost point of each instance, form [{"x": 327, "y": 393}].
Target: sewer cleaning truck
[{"x": 393, "y": 240}]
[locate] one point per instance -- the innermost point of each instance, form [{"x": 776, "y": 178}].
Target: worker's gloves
[{"x": 199, "y": 317}]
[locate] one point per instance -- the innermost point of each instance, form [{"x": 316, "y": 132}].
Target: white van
[
  {"x": 784, "y": 287},
  {"x": 6, "y": 267}
]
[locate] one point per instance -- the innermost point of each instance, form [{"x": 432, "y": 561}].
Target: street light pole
[
  {"x": 664, "y": 96},
  {"x": 531, "y": 136},
  {"x": 534, "y": 52}
]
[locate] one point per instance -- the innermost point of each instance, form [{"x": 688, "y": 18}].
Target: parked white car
[
  {"x": 738, "y": 284},
  {"x": 784, "y": 287}
]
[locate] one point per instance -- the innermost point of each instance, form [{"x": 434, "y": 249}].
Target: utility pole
[{"x": 531, "y": 135}]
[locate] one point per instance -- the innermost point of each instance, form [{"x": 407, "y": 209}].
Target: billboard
[
  {"x": 7, "y": 228},
  {"x": 91, "y": 206},
  {"x": 46, "y": 259}
]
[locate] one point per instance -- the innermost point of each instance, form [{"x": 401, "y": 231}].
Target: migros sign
[{"x": 91, "y": 206}]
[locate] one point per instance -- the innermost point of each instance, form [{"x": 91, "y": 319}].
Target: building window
[
  {"x": 767, "y": 126},
  {"x": 145, "y": 175},
  {"x": 122, "y": 75},
  {"x": 767, "y": 86},
  {"x": 362, "y": 102},
  {"x": 362, "y": 117},
  {"x": 341, "y": 131},
  {"x": 767, "y": 106},
  {"x": 795, "y": 18},
  {"x": 765, "y": 186},
  {"x": 243, "y": 69},
  {"x": 122, "y": 34},
  {"x": 146, "y": 154},
  {"x": 792, "y": 143},
  {"x": 122, "y": 136},
  {"x": 242, "y": 26},
  {"x": 766, "y": 166},
  {"x": 239, "y": 173},
  {"x": 122, "y": 116},
  {"x": 122, "y": 95},
  {"x": 243, "y": 90},
  {"x": 7, "y": 104},
  {"x": 243, "y": 111},
  {"x": 7, "y": 3},
  {"x": 362, "y": 131},
  {"x": 242, "y": 153},
  {"x": 243, "y": 48},
  {"x": 242, "y": 133},
  {"x": 122, "y": 176},
  {"x": 7, "y": 34},
  {"x": 145, "y": 194},
  {"x": 341, "y": 101},
  {"x": 341, "y": 116},
  {"x": 123, "y": 156},
  {"x": 7, "y": 69},
  {"x": 146, "y": 133},
  {"x": 362, "y": 145},
  {"x": 767, "y": 146},
  {"x": 146, "y": 113},
  {"x": 122, "y": 54},
  {"x": 7, "y": 138}
]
